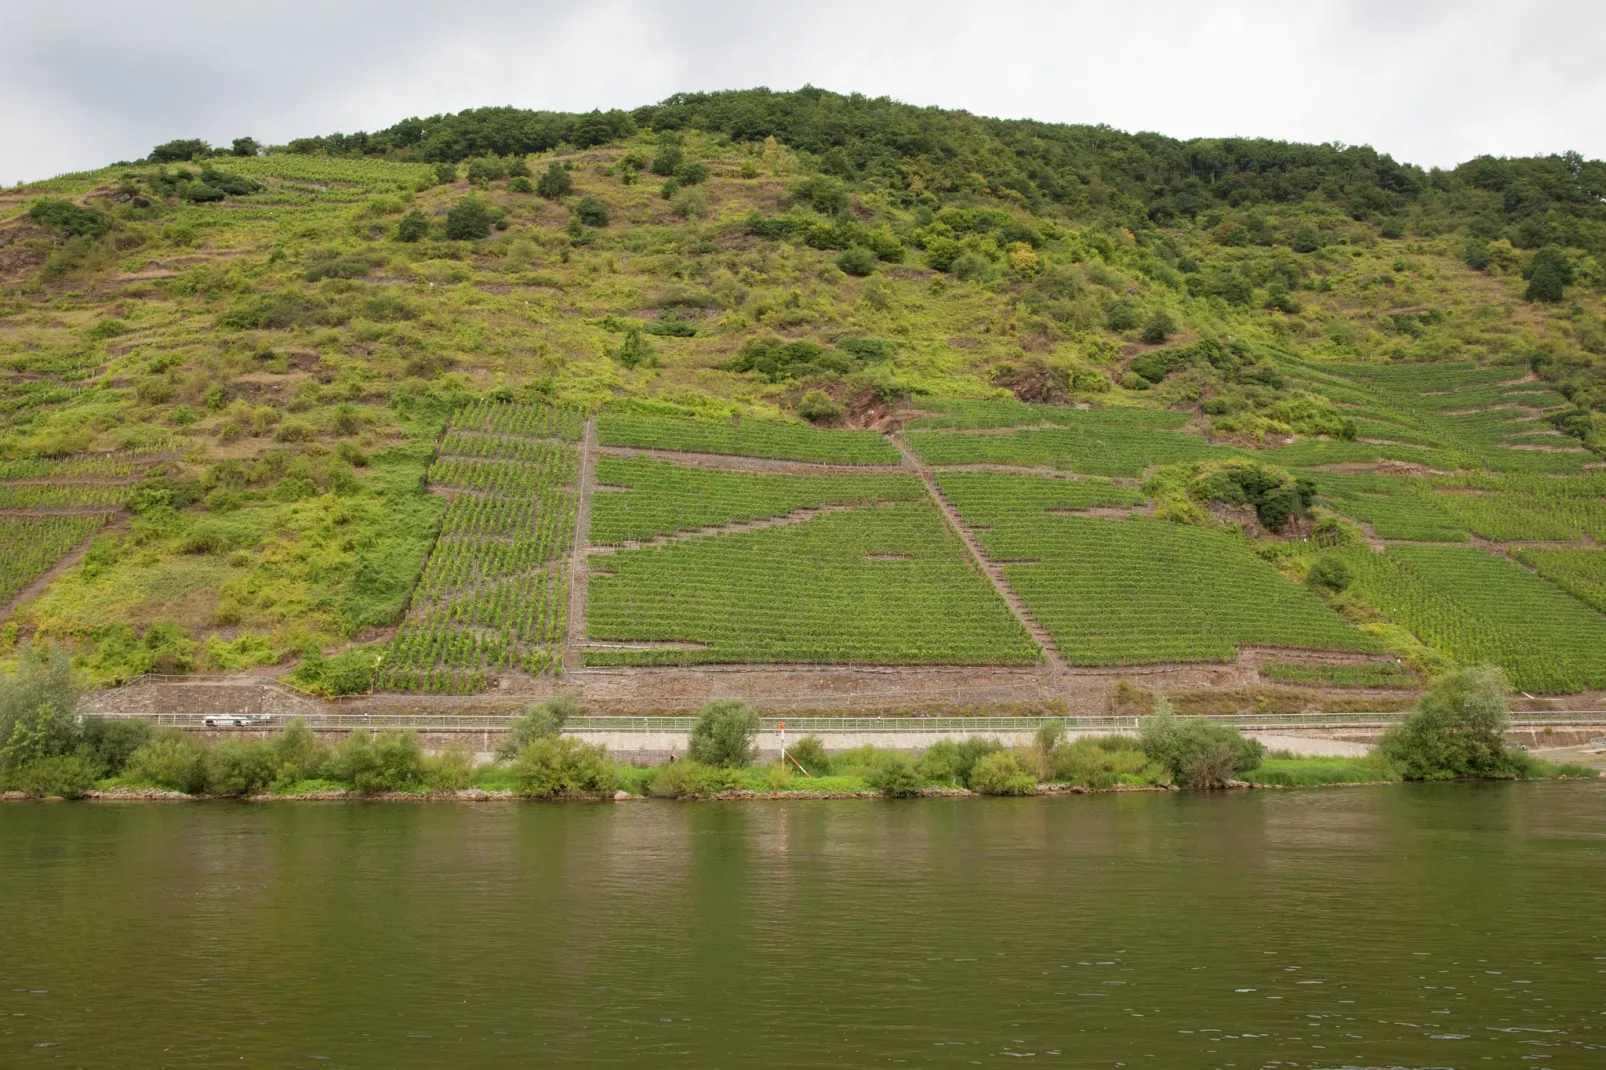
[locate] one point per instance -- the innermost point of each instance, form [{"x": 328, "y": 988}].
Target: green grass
[
  {"x": 1477, "y": 607},
  {"x": 663, "y": 498},
  {"x": 750, "y": 438},
  {"x": 1312, "y": 772},
  {"x": 875, "y": 585},
  {"x": 1368, "y": 675}
]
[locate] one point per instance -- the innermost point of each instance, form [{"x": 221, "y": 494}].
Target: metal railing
[{"x": 494, "y": 722}]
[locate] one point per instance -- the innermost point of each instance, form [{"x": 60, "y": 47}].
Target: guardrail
[{"x": 800, "y": 726}]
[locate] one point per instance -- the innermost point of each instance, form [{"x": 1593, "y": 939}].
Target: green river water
[{"x": 1458, "y": 925}]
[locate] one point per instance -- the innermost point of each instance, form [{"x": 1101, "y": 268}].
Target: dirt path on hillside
[
  {"x": 573, "y": 654},
  {"x": 993, "y": 572}
]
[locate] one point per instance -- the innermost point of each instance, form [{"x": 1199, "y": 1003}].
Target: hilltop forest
[{"x": 802, "y": 378}]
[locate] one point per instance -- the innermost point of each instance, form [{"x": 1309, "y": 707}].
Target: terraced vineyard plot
[
  {"x": 62, "y": 495},
  {"x": 1372, "y": 675},
  {"x": 1581, "y": 573},
  {"x": 887, "y": 585},
  {"x": 1014, "y": 499},
  {"x": 958, "y": 414},
  {"x": 1094, "y": 444},
  {"x": 494, "y": 594},
  {"x": 1114, "y": 592},
  {"x": 31, "y": 544},
  {"x": 1395, "y": 508},
  {"x": 750, "y": 438},
  {"x": 1477, "y": 607},
  {"x": 665, "y": 498}
]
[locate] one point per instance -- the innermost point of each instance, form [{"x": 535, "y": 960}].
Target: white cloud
[{"x": 1429, "y": 82}]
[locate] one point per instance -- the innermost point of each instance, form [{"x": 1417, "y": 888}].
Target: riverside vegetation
[
  {"x": 320, "y": 406},
  {"x": 1457, "y": 732}
]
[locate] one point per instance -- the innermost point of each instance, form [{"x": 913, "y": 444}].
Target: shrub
[
  {"x": 826, "y": 195},
  {"x": 818, "y": 407},
  {"x": 999, "y": 773},
  {"x": 1096, "y": 763},
  {"x": 445, "y": 173},
  {"x": 388, "y": 761},
  {"x": 1159, "y": 328},
  {"x": 941, "y": 761},
  {"x": 450, "y": 770},
  {"x": 1122, "y": 315},
  {"x": 544, "y": 721},
  {"x": 485, "y": 170},
  {"x": 1306, "y": 239},
  {"x": 724, "y": 734},
  {"x": 297, "y": 753},
  {"x": 809, "y": 752},
  {"x": 691, "y": 780},
  {"x": 469, "y": 220},
  {"x": 669, "y": 157},
  {"x": 108, "y": 742},
  {"x": 1196, "y": 753},
  {"x": 66, "y": 775},
  {"x": 970, "y": 267},
  {"x": 856, "y": 260},
  {"x": 413, "y": 227},
  {"x": 635, "y": 350},
  {"x": 520, "y": 184},
  {"x": 1548, "y": 275},
  {"x": 689, "y": 204},
  {"x": 175, "y": 762},
  {"x": 691, "y": 173},
  {"x": 240, "y": 767},
  {"x": 44, "y": 677},
  {"x": 556, "y": 766},
  {"x": 350, "y": 672},
  {"x": 1458, "y": 729},
  {"x": 555, "y": 183},
  {"x": 68, "y": 218},
  {"x": 592, "y": 212},
  {"x": 1329, "y": 573},
  {"x": 897, "y": 776}
]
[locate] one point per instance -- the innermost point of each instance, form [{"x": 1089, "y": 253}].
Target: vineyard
[
  {"x": 1478, "y": 607},
  {"x": 1581, "y": 573},
  {"x": 659, "y": 498},
  {"x": 31, "y": 544},
  {"x": 494, "y": 594},
  {"x": 1096, "y": 442},
  {"x": 1374, "y": 674},
  {"x": 1395, "y": 508},
  {"x": 888, "y": 585},
  {"x": 750, "y": 438}
]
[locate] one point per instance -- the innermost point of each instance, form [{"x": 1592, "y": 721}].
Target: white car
[{"x": 232, "y": 720}]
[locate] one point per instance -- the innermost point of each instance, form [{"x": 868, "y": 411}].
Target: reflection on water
[{"x": 1454, "y": 925}]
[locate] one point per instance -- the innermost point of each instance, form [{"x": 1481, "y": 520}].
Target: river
[{"x": 1427, "y": 926}]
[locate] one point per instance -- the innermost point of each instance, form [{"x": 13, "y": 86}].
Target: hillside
[{"x": 819, "y": 389}]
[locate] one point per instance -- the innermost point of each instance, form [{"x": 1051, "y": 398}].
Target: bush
[
  {"x": 724, "y": 734},
  {"x": 809, "y": 752},
  {"x": 636, "y": 351},
  {"x": 68, "y": 218},
  {"x": 554, "y": 767},
  {"x": 44, "y": 678},
  {"x": 450, "y": 770},
  {"x": 818, "y": 407},
  {"x": 591, "y": 212},
  {"x": 445, "y": 173},
  {"x": 691, "y": 173},
  {"x": 897, "y": 776},
  {"x": 413, "y": 227},
  {"x": 689, "y": 204},
  {"x": 297, "y": 753},
  {"x": 174, "y": 762},
  {"x": 109, "y": 742},
  {"x": 350, "y": 672},
  {"x": 66, "y": 775},
  {"x": 388, "y": 761},
  {"x": 999, "y": 773},
  {"x": 1122, "y": 315},
  {"x": 1330, "y": 573},
  {"x": 691, "y": 780},
  {"x": 520, "y": 184},
  {"x": 1548, "y": 275},
  {"x": 970, "y": 267},
  {"x": 669, "y": 157},
  {"x": 940, "y": 761},
  {"x": 856, "y": 260},
  {"x": 1306, "y": 239},
  {"x": 1458, "y": 729},
  {"x": 555, "y": 183},
  {"x": 1159, "y": 328},
  {"x": 469, "y": 220},
  {"x": 240, "y": 767},
  {"x": 544, "y": 721},
  {"x": 1196, "y": 753},
  {"x": 1099, "y": 763}
]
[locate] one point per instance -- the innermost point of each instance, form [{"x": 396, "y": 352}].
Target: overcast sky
[{"x": 1432, "y": 83}]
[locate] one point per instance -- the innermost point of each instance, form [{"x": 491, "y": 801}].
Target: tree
[
  {"x": 414, "y": 226},
  {"x": 245, "y": 146},
  {"x": 669, "y": 155},
  {"x": 555, "y": 182},
  {"x": 1159, "y": 328},
  {"x": 1306, "y": 239},
  {"x": 1000, "y": 773},
  {"x": 446, "y": 172},
  {"x": 635, "y": 350},
  {"x": 1196, "y": 753},
  {"x": 724, "y": 734},
  {"x": 44, "y": 678},
  {"x": 1458, "y": 729},
  {"x": 557, "y": 766},
  {"x": 1330, "y": 573},
  {"x": 468, "y": 220},
  {"x": 1548, "y": 275},
  {"x": 897, "y": 776},
  {"x": 544, "y": 721},
  {"x": 592, "y": 212},
  {"x": 179, "y": 151},
  {"x": 389, "y": 761}
]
